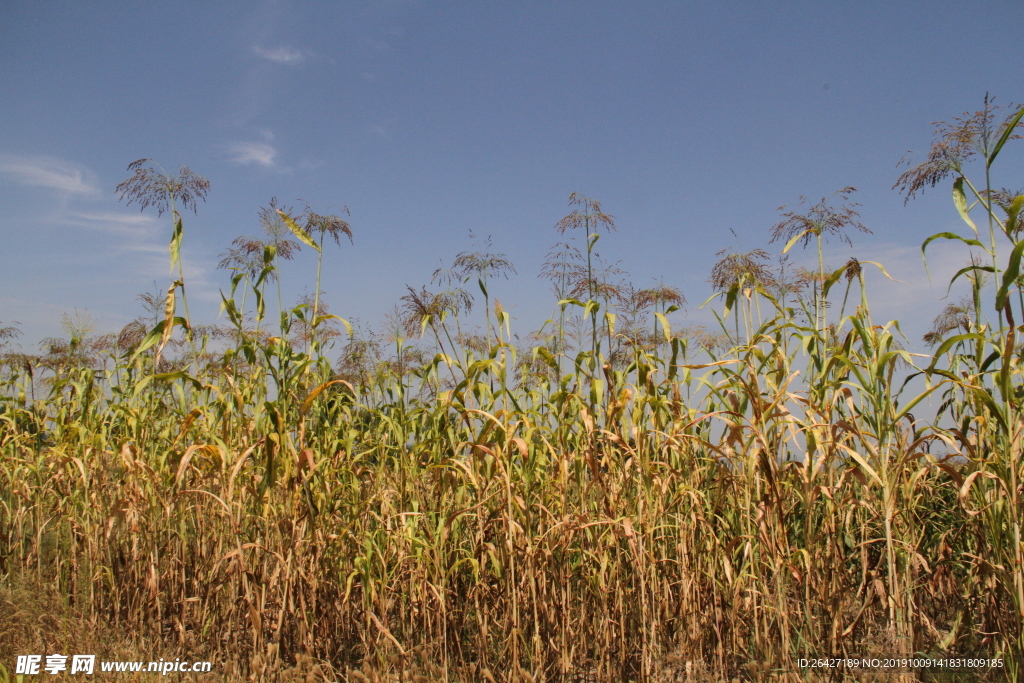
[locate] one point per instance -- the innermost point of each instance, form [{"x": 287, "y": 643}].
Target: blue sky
[{"x": 690, "y": 122}]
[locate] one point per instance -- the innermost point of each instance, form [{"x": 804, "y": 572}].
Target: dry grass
[{"x": 611, "y": 509}]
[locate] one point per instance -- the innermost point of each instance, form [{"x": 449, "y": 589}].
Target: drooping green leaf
[
  {"x": 178, "y": 374},
  {"x": 964, "y": 271},
  {"x": 610, "y": 319},
  {"x": 985, "y": 397},
  {"x": 730, "y": 299},
  {"x": 505, "y": 319},
  {"x": 664, "y": 326},
  {"x": 949, "y": 343},
  {"x": 264, "y": 274},
  {"x": 546, "y": 356},
  {"x": 260, "y": 305},
  {"x": 953, "y": 236},
  {"x": 306, "y": 404},
  {"x": 796, "y": 238},
  {"x": 1007, "y": 132},
  {"x": 948, "y": 236},
  {"x": 321, "y": 318},
  {"x": 150, "y": 340},
  {"x": 297, "y": 230},
  {"x": 176, "y": 243},
  {"x": 235, "y": 280},
  {"x": 882, "y": 269},
  {"x": 228, "y": 305},
  {"x": 1010, "y": 275},
  {"x": 831, "y": 280},
  {"x": 960, "y": 201},
  {"x": 987, "y": 363},
  {"x": 1012, "y": 214},
  {"x": 914, "y": 401},
  {"x": 1005, "y": 381}
]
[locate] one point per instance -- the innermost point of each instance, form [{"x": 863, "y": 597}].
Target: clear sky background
[{"x": 691, "y": 122}]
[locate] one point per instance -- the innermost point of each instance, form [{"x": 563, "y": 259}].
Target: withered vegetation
[{"x": 615, "y": 497}]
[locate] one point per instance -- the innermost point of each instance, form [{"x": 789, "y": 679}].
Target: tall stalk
[
  {"x": 591, "y": 220},
  {"x": 151, "y": 185},
  {"x": 325, "y": 226},
  {"x": 820, "y": 221}
]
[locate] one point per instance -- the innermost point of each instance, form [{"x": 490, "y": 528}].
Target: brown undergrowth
[{"x": 617, "y": 502}]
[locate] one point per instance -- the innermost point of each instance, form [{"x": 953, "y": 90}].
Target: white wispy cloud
[
  {"x": 381, "y": 131},
  {"x": 281, "y": 55},
  {"x": 261, "y": 153},
  {"x": 132, "y": 225},
  {"x": 913, "y": 298},
  {"x": 44, "y": 171},
  {"x": 910, "y": 297}
]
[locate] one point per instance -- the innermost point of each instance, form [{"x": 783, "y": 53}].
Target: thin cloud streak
[
  {"x": 912, "y": 298},
  {"x": 381, "y": 131},
  {"x": 44, "y": 171},
  {"x": 137, "y": 225},
  {"x": 260, "y": 153},
  {"x": 281, "y": 55}
]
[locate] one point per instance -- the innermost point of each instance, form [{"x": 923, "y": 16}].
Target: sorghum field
[{"x": 611, "y": 499}]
